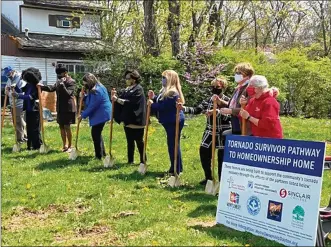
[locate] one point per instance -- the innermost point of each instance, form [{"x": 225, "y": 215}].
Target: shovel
[
  {"x": 16, "y": 147},
  {"x": 243, "y": 122},
  {"x": 74, "y": 152},
  {"x": 4, "y": 112},
  {"x": 109, "y": 160},
  {"x": 174, "y": 181},
  {"x": 212, "y": 186},
  {"x": 143, "y": 166},
  {"x": 43, "y": 148}
]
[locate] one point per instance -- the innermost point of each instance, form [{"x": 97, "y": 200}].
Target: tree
[
  {"x": 174, "y": 25},
  {"x": 150, "y": 29}
]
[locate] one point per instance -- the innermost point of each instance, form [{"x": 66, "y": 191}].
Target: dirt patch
[
  {"x": 203, "y": 224},
  {"x": 143, "y": 234},
  {"x": 124, "y": 214}
]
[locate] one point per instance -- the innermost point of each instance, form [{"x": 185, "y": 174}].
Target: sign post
[{"x": 272, "y": 188}]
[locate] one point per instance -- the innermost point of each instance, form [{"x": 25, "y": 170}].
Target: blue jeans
[{"x": 170, "y": 128}]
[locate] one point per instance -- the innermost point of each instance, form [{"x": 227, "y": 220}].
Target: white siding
[
  {"x": 10, "y": 9},
  {"x": 45, "y": 66},
  {"x": 37, "y": 22}
]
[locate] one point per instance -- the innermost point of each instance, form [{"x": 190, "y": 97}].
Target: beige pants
[{"x": 20, "y": 124}]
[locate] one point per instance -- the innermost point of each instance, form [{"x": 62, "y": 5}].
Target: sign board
[{"x": 272, "y": 188}]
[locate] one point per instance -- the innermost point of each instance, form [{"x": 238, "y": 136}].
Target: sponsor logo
[
  {"x": 233, "y": 185},
  {"x": 263, "y": 189},
  {"x": 294, "y": 195},
  {"x": 275, "y": 210},
  {"x": 253, "y": 205},
  {"x": 298, "y": 217},
  {"x": 234, "y": 201},
  {"x": 250, "y": 185}
]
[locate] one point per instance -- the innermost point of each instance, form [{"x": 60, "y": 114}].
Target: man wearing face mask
[
  {"x": 65, "y": 104},
  {"x": 130, "y": 108},
  {"x": 14, "y": 84},
  {"x": 243, "y": 72},
  {"x": 222, "y": 124}
]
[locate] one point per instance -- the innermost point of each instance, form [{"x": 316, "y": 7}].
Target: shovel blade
[
  {"x": 142, "y": 169},
  {"x": 73, "y": 154},
  {"x": 108, "y": 161},
  {"x": 216, "y": 188},
  {"x": 174, "y": 181},
  {"x": 209, "y": 187},
  {"x": 16, "y": 148},
  {"x": 43, "y": 149}
]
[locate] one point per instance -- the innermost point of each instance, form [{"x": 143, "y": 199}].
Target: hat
[
  {"x": 7, "y": 71},
  {"x": 60, "y": 68}
]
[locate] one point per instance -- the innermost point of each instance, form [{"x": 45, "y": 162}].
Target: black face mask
[
  {"x": 59, "y": 76},
  {"x": 217, "y": 91}
]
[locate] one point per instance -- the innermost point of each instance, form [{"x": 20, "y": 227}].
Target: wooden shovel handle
[
  {"x": 111, "y": 124},
  {"x": 213, "y": 143},
  {"x": 243, "y": 122},
  {"x": 176, "y": 138},
  {"x": 14, "y": 117},
  {"x": 78, "y": 115},
  {"x": 4, "y": 111},
  {"x": 41, "y": 114},
  {"x": 146, "y": 129}
]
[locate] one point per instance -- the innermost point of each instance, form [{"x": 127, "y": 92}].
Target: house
[{"x": 42, "y": 33}]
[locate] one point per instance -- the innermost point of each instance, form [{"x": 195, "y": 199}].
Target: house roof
[
  {"x": 68, "y": 4},
  {"x": 54, "y": 43},
  {"x": 8, "y": 27}
]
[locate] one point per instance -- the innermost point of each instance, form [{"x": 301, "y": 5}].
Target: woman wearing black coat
[{"x": 130, "y": 108}]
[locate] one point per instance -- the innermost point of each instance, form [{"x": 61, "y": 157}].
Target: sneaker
[
  {"x": 68, "y": 150},
  {"x": 64, "y": 149}
]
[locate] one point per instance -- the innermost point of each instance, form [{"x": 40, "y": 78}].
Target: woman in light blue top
[{"x": 97, "y": 109}]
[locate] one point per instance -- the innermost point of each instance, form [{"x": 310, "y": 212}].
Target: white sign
[{"x": 271, "y": 188}]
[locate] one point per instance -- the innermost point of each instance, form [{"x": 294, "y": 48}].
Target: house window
[
  {"x": 63, "y": 21},
  {"x": 76, "y": 68}
]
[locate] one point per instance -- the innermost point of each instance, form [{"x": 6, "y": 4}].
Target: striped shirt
[{"x": 19, "y": 83}]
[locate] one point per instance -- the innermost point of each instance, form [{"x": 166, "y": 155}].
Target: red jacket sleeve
[{"x": 270, "y": 113}]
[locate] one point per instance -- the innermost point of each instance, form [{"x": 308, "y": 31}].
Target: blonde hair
[
  {"x": 221, "y": 79},
  {"x": 173, "y": 85},
  {"x": 90, "y": 79},
  {"x": 245, "y": 69}
]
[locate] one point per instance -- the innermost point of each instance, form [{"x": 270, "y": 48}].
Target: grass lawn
[{"x": 50, "y": 200}]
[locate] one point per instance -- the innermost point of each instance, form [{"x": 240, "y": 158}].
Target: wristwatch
[{"x": 248, "y": 117}]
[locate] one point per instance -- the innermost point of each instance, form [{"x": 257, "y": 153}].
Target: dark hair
[
  {"x": 60, "y": 68},
  {"x": 31, "y": 75},
  {"x": 134, "y": 74}
]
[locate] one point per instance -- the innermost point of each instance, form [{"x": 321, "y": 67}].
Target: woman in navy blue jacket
[
  {"x": 165, "y": 106},
  {"x": 97, "y": 109}
]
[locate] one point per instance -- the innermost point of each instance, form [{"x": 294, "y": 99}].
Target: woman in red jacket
[{"x": 263, "y": 110}]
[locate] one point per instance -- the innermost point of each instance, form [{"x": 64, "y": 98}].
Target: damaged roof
[
  {"x": 83, "y": 5},
  {"x": 55, "y": 43}
]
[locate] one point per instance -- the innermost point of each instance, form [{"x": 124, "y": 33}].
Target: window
[
  {"x": 76, "y": 68},
  {"x": 63, "y": 21}
]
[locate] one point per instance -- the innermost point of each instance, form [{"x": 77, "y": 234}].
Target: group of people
[{"x": 252, "y": 101}]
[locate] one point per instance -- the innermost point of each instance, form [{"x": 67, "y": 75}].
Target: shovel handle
[
  {"x": 4, "y": 111},
  {"x": 176, "y": 138},
  {"x": 243, "y": 122},
  {"x": 14, "y": 117},
  {"x": 111, "y": 124},
  {"x": 41, "y": 114},
  {"x": 146, "y": 130},
  {"x": 213, "y": 143},
  {"x": 79, "y": 112}
]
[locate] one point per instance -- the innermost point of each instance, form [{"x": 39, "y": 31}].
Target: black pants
[
  {"x": 134, "y": 135},
  {"x": 205, "y": 158},
  {"x": 33, "y": 129},
  {"x": 99, "y": 146}
]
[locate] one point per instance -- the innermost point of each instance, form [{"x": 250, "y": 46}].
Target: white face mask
[{"x": 238, "y": 77}]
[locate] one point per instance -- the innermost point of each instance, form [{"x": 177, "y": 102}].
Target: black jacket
[
  {"x": 64, "y": 95},
  {"x": 133, "y": 111}
]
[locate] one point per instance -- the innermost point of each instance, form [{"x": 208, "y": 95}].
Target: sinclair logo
[{"x": 283, "y": 193}]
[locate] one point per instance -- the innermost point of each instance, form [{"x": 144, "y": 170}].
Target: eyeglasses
[{"x": 163, "y": 77}]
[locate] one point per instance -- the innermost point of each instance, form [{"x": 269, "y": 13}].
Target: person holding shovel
[
  {"x": 65, "y": 104},
  {"x": 262, "y": 111},
  {"x": 243, "y": 72},
  {"x": 165, "y": 107},
  {"x": 29, "y": 95},
  {"x": 97, "y": 109},
  {"x": 223, "y": 123},
  {"x": 15, "y": 82},
  {"x": 130, "y": 108}
]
